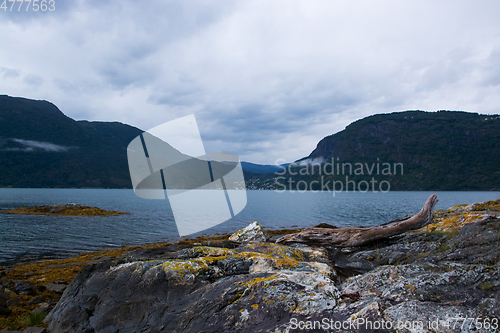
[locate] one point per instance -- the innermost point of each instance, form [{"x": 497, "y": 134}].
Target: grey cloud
[
  {"x": 33, "y": 80},
  {"x": 179, "y": 89},
  {"x": 456, "y": 66},
  {"x": 492, "y": 69},
  {"x": 9, "y": 72},
  {"x": 66, "y": 86},
  {"x": 135, "y": 56},
  {"x": 290, "y": 112}
]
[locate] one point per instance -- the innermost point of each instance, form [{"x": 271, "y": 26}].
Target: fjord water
[{"x": 39, "y": 236}]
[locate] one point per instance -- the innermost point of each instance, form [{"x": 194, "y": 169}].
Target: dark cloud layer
[{"x": 266, "y": 79}]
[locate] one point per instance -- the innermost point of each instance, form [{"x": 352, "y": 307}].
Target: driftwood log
[{"x": 347, "y": 237}]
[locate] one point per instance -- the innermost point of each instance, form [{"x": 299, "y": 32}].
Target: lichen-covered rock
[
  {"x": 460, "y": 215},
  {"x": 313, "y": 253},
  {"x": 417, "y": 316},
  {"x": 428, "y": 297},
  {"x": 199, "y": 289},
  {"x": 251, "y": 233},
  {"x": 475, "y": 243},
  {"x": 425, "y": 282}
]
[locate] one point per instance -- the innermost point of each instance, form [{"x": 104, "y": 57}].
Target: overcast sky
[{"x": 265, "y": 79}]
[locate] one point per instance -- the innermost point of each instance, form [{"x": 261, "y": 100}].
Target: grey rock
[
  {"x": 34, "y": 329},
  {"x": 4, "y": 298},
  {"x": 426, "y": 293},
  {"x": 477, "y": 242},
  {"x": 254, "y": 284},
  {"x": 14, "y": 301},
  {"x": 23, "y": 288},
  {"x": 251, "y": 233},
  {"x": 57, "y": 288},
  {"x": 39, "y": 310},
  {"x": 7, "y": 283},
  {"x": 200, "y": 251},
  {"x": 313, "y": 253},
  {"x": 45, "y": 305},
  {"x": 235, "y": 265},
  {"x": 37, "y": 299}
]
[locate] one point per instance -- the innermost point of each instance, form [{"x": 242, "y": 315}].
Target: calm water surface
[{"x": 36, "y": 236}]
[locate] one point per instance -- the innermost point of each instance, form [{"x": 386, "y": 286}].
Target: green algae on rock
[{"x": 71, "y": 209}]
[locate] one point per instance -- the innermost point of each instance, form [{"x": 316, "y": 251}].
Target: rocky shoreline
[{"x": 444, "y": 277}]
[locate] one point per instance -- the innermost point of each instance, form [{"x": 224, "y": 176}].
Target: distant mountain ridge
[
  {"x": 394, "y": 135},
  {"x": 444, "y": 150},
  {"x": 262, "y": 168},
  {"x": 42, "y": 147}
]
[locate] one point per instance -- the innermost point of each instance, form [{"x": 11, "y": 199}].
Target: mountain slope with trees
[
  {"x": 41, "y": 147},
  {"x": 444, "y": 150}
]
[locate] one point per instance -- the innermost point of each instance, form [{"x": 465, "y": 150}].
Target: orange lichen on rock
[
  {"x": 459, "y": 215},
  {"x": 489, "y": 206}
]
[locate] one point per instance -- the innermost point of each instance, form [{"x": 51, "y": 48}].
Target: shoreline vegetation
[{"x": 463, "y": 239}]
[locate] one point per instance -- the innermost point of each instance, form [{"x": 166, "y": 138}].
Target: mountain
[
  {"x": 410, "y": 150},
  {"x": 444, "y": 150},
  {"x": 42, "y": 147},
  {"x": 262, "y": 168}
]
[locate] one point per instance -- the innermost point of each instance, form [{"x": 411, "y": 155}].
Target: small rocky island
[
  {"x": 432, "y": 279},
  {"x": 71, "y": 209}
]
